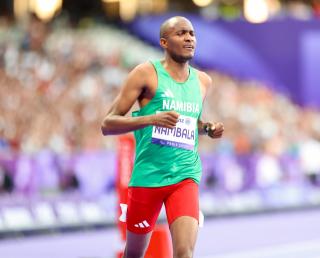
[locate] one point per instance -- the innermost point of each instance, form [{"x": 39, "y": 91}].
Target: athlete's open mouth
[{"x": 188, "y": 46}]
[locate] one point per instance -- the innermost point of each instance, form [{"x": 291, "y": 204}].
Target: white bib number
[{"x": 181, "y": 136}]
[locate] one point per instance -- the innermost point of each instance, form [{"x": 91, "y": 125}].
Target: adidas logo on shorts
[{"x": 143, "y": 224}]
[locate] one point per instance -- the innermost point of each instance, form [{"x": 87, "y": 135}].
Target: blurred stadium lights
[
  {"x": 44, "y": 9},
  {"x": 152, "y": 6},
  {"x": 202, "y": 3},
  {"x": 128, "y": 9},
  {"x": 274, "y": 7},
  {"x": 146, "y": 6},
  {"x": 256, "y": 11},
  {"x": 20, "y": 8},
  {"x": 160, "y": 6}
]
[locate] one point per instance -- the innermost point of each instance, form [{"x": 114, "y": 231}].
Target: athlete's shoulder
[
  {"x": 142, "y": 74},
  {"x": 204, "y": 78},
  {"x": 143, "y": 69}
]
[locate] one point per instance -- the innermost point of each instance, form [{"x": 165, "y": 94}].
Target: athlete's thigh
[
  {"x": 184, "y": 231},
  {"x": 182, "y": 207},
  {"x": 183, "y": 201},
  {"x": 144, "y": 205}
]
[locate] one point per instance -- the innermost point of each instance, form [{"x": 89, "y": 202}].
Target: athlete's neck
[{"x": 178, "y": 71}]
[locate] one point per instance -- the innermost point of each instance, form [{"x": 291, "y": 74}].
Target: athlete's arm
[
  {"x": 115, "y": 121},
  {"x": 214, "y": 129}
]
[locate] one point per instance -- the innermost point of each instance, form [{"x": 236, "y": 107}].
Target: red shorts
[{"x": 144, "y": 204}]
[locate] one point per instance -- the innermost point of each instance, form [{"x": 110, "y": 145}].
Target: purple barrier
[{"x": 92, "y": 173}]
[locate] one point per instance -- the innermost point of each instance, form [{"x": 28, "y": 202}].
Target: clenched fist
[
  {"x": 167, "y": 119},
  {"x": 214, "y": 130}
]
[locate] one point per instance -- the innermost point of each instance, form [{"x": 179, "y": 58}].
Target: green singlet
[{"x": 167, "y": 156}]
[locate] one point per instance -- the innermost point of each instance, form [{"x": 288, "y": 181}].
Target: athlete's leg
[
  {"x": 136, "y": 245},
  {"x": 144, "y": 205},
  {"x": 182, "y": 207},
  {"x": 184, "y": 232}
]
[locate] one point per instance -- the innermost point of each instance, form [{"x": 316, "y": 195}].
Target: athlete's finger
[
  {"x": 174, "y": 114},
  {"x": 173, "y": 124},
  {"x": 173, "y": 119},
  {"x": 218, "y": 130},
  {"x": 219, "y": 126},
  {"x": 169, "y": 125}
]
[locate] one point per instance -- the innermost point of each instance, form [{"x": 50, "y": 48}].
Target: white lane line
[{"x": 308, "y": 249}]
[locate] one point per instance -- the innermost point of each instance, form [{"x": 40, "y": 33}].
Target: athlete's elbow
[
  {"x": 105, "y": 127},
  {"x": 104, "y": 131}
]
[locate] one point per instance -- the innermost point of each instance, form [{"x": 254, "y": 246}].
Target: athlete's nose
[{"x": 188, "y": 37}]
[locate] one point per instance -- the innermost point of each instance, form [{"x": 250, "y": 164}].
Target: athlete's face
[{"x": 180, "y": 41}]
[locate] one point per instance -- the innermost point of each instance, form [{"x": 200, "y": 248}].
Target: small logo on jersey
[
  {"x": 143, "y": 224},
  {"x": 168, "y": 93},
  {"x": 187, "y": 121}
]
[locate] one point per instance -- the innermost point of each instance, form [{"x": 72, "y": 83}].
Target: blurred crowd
[
  {"x": 268, "y": 140},
  {"x": 56, "y": 84}
]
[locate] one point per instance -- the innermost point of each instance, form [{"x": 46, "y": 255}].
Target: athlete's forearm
[{"x": 115, "y": 124}]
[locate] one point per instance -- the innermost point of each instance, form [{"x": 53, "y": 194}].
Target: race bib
[{"x": 181, "y": 136}]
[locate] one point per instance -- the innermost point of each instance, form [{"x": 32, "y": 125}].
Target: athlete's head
[{"x": 177, "y": 38}]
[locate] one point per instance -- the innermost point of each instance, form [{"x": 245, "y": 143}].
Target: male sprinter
[{"x": 167, "y": 166}]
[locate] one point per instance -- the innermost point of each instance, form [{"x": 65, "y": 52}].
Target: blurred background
[{"x": 62, "y": 63}]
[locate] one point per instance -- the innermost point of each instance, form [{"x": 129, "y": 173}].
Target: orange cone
[{"x": 160, "y": 244}]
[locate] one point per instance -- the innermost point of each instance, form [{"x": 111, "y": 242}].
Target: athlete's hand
[
  {"x": 215, "y": 130},
  {"x": 166, "y": 119}
]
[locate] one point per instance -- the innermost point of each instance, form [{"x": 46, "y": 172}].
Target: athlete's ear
[{"x": 163, "y": 43}]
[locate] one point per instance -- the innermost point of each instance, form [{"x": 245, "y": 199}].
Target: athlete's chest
[{"x": 166, "y": 94}]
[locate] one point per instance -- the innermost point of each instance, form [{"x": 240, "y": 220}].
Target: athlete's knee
[
  {"x": 183, "y": 251},
  {"x": 135, "y": 251}
]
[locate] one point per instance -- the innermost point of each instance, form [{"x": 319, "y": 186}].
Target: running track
[{"x": 280, "y": 235}]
